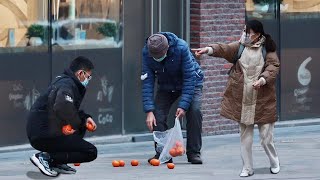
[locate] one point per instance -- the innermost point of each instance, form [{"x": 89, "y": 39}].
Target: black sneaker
[
  {"x": 42, "y": 161},
  {"x": 195, "y": 159},
  {"x": 157, "y": 157},
  {"x": 64, "y": 169}
]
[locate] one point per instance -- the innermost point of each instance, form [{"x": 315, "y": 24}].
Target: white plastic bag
[{"x": 170, "y": 142}]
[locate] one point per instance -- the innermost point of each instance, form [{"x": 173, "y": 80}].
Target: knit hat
[{"x": 157, "y": 45}]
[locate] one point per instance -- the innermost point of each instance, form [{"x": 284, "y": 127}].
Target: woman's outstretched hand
[{"x": 199, "y": 51}]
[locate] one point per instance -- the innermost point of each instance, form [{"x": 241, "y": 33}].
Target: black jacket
[{"x": 57, "y": 107}]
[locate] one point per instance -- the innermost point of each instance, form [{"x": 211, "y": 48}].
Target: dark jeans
[
  {"x": 66, "y": 149},
  {"x": 163, "y": 103}
]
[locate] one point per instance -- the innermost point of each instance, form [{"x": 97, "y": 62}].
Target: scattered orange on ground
[
  {"x": 155, "y": 162},
  {"x": 76, "y": 164},
  {"x": 151, "y": 161},
  {"x": 121, "y": 163},
  {"x": 134, "y": 163},
  {"x": 170, "y": 165},
  {"x": 115, "y": 163}
]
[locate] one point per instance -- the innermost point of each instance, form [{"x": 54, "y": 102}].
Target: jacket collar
[{"x": 69, "y": 73}]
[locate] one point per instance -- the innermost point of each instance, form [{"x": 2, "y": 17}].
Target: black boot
[{"x": 195, "y": 158}]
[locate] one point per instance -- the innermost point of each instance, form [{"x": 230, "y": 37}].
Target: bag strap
[
  {"x": 240, "y": 51},
  {"x": 264, "y": 53},
  {"x": 235, "y": 58}
]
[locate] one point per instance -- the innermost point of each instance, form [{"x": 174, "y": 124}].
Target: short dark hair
[{"x": 81, "y": 63}]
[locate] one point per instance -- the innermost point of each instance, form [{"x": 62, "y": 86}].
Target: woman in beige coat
[{"x": 250, "y": 95}]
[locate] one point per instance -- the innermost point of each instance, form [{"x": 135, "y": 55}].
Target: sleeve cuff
[
  {"x": 210, "y": 50},
  {"x": 263, "y": 81}
]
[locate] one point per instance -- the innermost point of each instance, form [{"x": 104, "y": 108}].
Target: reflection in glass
[
  {"x": 301, "y": 9},
  {"x": 23, "y": 23},
  {"x": 261, "y": 9},
  {"x": 87, "y": 24}
]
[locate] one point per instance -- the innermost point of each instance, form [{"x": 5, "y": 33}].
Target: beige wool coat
[{"x": 232, "y": 103}]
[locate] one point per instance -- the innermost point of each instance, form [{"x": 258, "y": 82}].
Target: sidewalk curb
[{"x": 132, "y": 138}]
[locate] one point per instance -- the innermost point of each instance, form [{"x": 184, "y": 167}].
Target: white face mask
[{"x": 246, "y": 38}]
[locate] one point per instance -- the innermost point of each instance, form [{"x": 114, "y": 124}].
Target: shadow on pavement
[
  {"x": 264, "y": 170},
  {"x": 38, "y": 175}
]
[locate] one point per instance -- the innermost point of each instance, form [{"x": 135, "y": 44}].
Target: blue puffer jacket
[{"x": 178, "y": 72}]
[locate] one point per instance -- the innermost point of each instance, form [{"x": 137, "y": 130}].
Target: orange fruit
[
  {"x": 66, "y": 128},
  {"x": 76, "y": 164},
  {"x": 152, "y": 161},
  {"x": 134, "y": 163},
  {"x": 178, "y": 144},
  {"x": 179, "y": 151},
  {"x": 115, "y": 163},
  {"x": 173, "y": 152},
  {"x": 155, "y": 162},
  {"x": 170, "y": 165},
  {"x": 90, "y": 127},
  {"x": 121, "y": 163}
]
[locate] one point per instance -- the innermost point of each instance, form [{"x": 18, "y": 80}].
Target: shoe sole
[
  {"x": 61, "y": 171},
  {"x": 277, "y": 172},
  {"x": 195, "y": 162},
  {"x": 248, "y": 175},
  {"x": 274, "y": 172},
  {"x": 37, "y": 163}
]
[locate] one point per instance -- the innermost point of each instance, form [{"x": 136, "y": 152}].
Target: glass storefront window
[
  {"x": 83, "y": 24},
  {"x": 23, "y": 24},
  {"x": 300, "y": 55}
]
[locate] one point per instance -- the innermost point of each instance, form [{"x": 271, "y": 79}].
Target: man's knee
[{"x": 92, "y": 153}]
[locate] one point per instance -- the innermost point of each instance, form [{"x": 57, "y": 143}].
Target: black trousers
[
  {"x": 163, "y": 103},
  {"x": 66, "y": 149}
]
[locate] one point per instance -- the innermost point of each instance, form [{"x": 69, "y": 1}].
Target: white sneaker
[
  {"x": 275, "y": 170},
  {"x": 246, "y": 173},
  {"x": 41, "y": 160}
]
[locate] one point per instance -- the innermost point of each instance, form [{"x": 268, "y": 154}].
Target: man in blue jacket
[{"x": 168, "y": 59}]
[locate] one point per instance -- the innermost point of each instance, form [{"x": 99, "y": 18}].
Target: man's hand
[
  {"x": 199, "y": 51},
  {"x": 67, "y": 130},
  {"x": 91, "y": 121},
  {"x": 151, "y": 120},
  {"x": 180, "y": 113}
]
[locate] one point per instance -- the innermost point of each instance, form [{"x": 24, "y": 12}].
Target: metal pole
[
  {"x": 187, "y": 20},
  {"x": 122, "y": 71},
  {"x": 49, "y": 38},
  {"x": 278, "y": 19},
  {"x": 152, "y": 16},
  {"x": 159, "y": 9}
]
